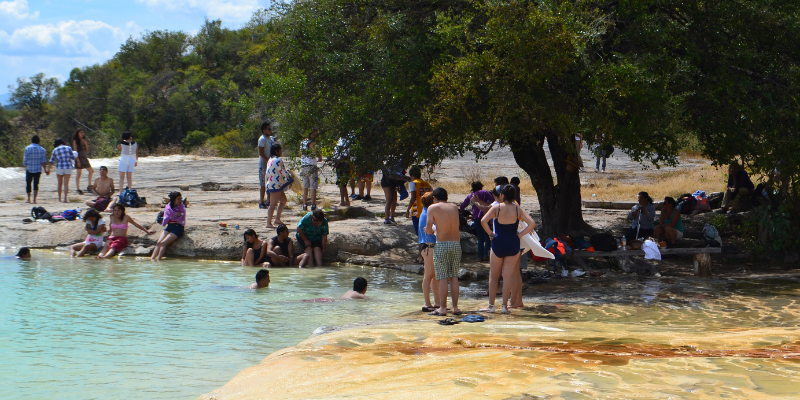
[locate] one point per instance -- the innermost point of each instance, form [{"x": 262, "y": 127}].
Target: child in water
[{"x": 359, "y": 289}]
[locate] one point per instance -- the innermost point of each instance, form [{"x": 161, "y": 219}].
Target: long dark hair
[
  {"x": 92, "y": 213},
  {"x": 509, "y": 193},
  {"x": 671, "y": 201},
  {"x": 646, "y": 196},
  {"x": 121, "y": 208},
  {"x": 249, "y": 232},
  {"x": 172, "y": 197},
  {"x": 76, "y": 138}
]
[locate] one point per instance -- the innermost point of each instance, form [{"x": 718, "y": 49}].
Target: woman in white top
[{"x": 128, "y": 159}]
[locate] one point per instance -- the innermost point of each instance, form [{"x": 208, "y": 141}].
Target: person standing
[
  {"x": 278, "y": 179},
  {"x": 80, "y": 145},
  {"x": 417, "y": 187},
  {"x": 505, "y": 218},
  {"x": 265, "y": 143},
  {"x": 309, "y": 171},
  {"x": 426, "y": 244},
  {"x": 517, "y": 192},
  {"x": 63, "y": 158},
  {"x": 128, "y": 160},
  {"x": 341, "y": 163},
  {"x": 739, "y": 184},
  {"x": 34, "y": 160},
  {"x": 365, "y": 182},
  {"x": 472, "y": 199},
  {"x": 447, "y": 253},
  {"x": 602, "y": 150},
  {"x": 390, "y": 182}
]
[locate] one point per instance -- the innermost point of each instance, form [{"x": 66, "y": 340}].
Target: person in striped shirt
[
  {"x": 63, "y": 157},
  {"x": 34, "y": 160}
]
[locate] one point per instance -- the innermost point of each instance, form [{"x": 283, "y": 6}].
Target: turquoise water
[{"x": 126, "y": 328}]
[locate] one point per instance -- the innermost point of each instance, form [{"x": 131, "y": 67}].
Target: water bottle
[
  {"x": 624, "y": 243},
  {"x": 237, "y": 226}
]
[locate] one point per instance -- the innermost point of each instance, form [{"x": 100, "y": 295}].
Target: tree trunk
[{"x": 559, "y": 200}]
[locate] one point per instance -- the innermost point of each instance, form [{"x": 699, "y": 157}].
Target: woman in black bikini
[
  {"x": 504, "y": 218},
  {"x": 254, "y": 251}
]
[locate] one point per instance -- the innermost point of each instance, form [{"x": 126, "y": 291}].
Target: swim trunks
[
  {"x": 118, "y": 243},
  {"x": 101, "y": 203},
  {"x": 446, "y": 259}
]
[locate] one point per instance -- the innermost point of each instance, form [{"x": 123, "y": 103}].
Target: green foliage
[
  {"x": 234, "y": 144},
  {"x": 34, "y": 93},
  {"x": 195, "y": 138}
]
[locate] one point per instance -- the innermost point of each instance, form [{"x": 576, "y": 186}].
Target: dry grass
[
  {"x": 76, "y": 200},
  {"x": 613, "y": 186},
  {"x": 464, "y": 187},
  {"x": 19, "y": 198}
]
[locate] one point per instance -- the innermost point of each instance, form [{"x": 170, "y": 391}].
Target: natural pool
[
  {"x": 179, "y": 329},
  {"x": 83, "y": 329}
]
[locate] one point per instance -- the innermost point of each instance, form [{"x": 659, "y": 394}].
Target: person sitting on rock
[
  {"x": 312, "y": 231},
  {"x": 95, "y": 227},
  {"x": 118, "y": 240},
  {"x": 280, "y": 249},
  {"x": 262, "y": 280},
  {"x": 671, "y": 224},
  {"x": 174, "y": 223},
  {"x": 739, "y": 185},
  {"x": 643, "y": 216},
  {"x": 103, "y": 188},
  {"x": 254, "y": 250},
  {"x": 359, "y": 289}
]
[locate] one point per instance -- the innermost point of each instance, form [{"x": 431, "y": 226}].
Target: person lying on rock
[
  {"x": 262, "y": 280},
  {"x": 359, "y": 289},
  {"x": 280, "y": 249},
  {"x": 312, "y": 231}
]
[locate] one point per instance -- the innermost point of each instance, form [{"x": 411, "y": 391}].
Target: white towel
[
  {"x": 651, "y": 251},
  {"x": 531, "y": 242}
]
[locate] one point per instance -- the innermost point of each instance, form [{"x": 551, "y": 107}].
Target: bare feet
[
  {"x": 270, "y": 226},
  {"x": 279, "y": 223},
  {"x": 516, "y": 306},
  {"x": 488, "y": 309},
  {"x": 28, "y": 201}
]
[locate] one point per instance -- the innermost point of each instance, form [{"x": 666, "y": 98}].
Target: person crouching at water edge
[
  {"x": 312, "y": 231},
  {"x": 443, "y": 221},
  {"x": 280, "y": 249},
  {"x": 254, "y": 250},
  {"x": 118, "y": 240},
  {"x": 174, "y": 223},
  {"x": 505, "y": 218},
  {"x": 262, "y": 280},
  {"x": 95, "y": 227}
]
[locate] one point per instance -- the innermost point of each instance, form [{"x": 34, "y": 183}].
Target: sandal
[
  {"x": 448, "y": 321},
  {"x": 487, "y": 309},
  {"x": 436, "y": 313},
  {"x": 429, "y": 309}
]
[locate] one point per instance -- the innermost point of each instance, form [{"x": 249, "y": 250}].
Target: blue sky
[{"x": 55, "y": 36}]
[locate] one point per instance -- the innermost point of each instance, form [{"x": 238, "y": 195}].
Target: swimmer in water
[
  {"x": 359, "y": 289},
  {"x": 262, "y": 280},
  {"x": 24, "y": 253}
]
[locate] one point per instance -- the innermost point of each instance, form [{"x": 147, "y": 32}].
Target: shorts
[
  {"x": 680, "y": 236},
  {"x": 117, "y": 243},
  {"x": 368, "y": 177},
  {"x": 262, "y": 177},
  {"x": 101, "y": 203},
  {"x": 175, "y": 229},
  {"x": 310, "y": 175},
  {"x": 391, "y": 183},
  {"x": 95, "y": 240},
  {"x": 343, "y": 174},
  {"x": 314, "y": 243},
  {"x": 126, "y": 164},
  {"x": 446, "y": 259},
  {"x": 60, "y": 171}
]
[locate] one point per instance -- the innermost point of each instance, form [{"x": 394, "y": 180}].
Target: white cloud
[
  {"x": 17, "y": 9},
  {"x": 226, "y": 10},
  {"x": 66, "y": 38}
]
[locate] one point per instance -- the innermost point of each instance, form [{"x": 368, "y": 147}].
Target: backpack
[
  {"x": 603, "y": 242},
  {"x": 40, "y": 213},
  {"x": 686, "y": 203},
  {"x": 130, "y": 198},
  {"x": 160, "y": 218},
  {"x": 70, "y": 215},
  {"x": 711, "y": 236}
]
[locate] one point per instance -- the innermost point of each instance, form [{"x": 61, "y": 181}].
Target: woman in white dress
[{"x": 129, "y": 159}]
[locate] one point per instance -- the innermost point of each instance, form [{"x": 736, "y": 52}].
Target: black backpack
[
  {"x": 603, "y": 242},
  {"x": 160, "y": 218},
  {"x": 130, "y": 198},
  {"x": 40, "y": 213}
]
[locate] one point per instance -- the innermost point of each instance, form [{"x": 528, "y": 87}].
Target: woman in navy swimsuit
[{"x": 501, "y": 222}]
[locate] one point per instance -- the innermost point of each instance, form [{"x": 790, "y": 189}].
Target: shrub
[{"x": 233, "y": 144}]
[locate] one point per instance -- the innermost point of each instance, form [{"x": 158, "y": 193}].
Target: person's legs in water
[
  {"x": 509, "y": 265},
  {"x": 161, "y": 247},
  {"x": 76, "y": 248},
  {"x": 250, "y": 258},
  {"x": 318, "y": 256},
  {"x": 495, "y": 268},
  {"x": 307, "y": 257},
  {"x": 429, "y": 279},
  {"x": 86, "y": 248},
  {"x": 276, "y": 261}
]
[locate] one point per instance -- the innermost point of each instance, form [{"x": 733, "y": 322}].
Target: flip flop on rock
[
  {"x": 436, "y": 313},
  {"x": 448, "y": 321}
]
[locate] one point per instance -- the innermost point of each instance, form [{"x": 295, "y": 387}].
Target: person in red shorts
[{"x": 119, "y": 232}]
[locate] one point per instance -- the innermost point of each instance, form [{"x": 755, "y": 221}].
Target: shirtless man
[
  {"x": 447, "y": 252},
  {"x": 262, "y": 280},
  {"x": 359, "y": 288},
  {"x": 104, "y": 189}
]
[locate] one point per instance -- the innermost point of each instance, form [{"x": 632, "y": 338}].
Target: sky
[{"x": 55, "y": 36}]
